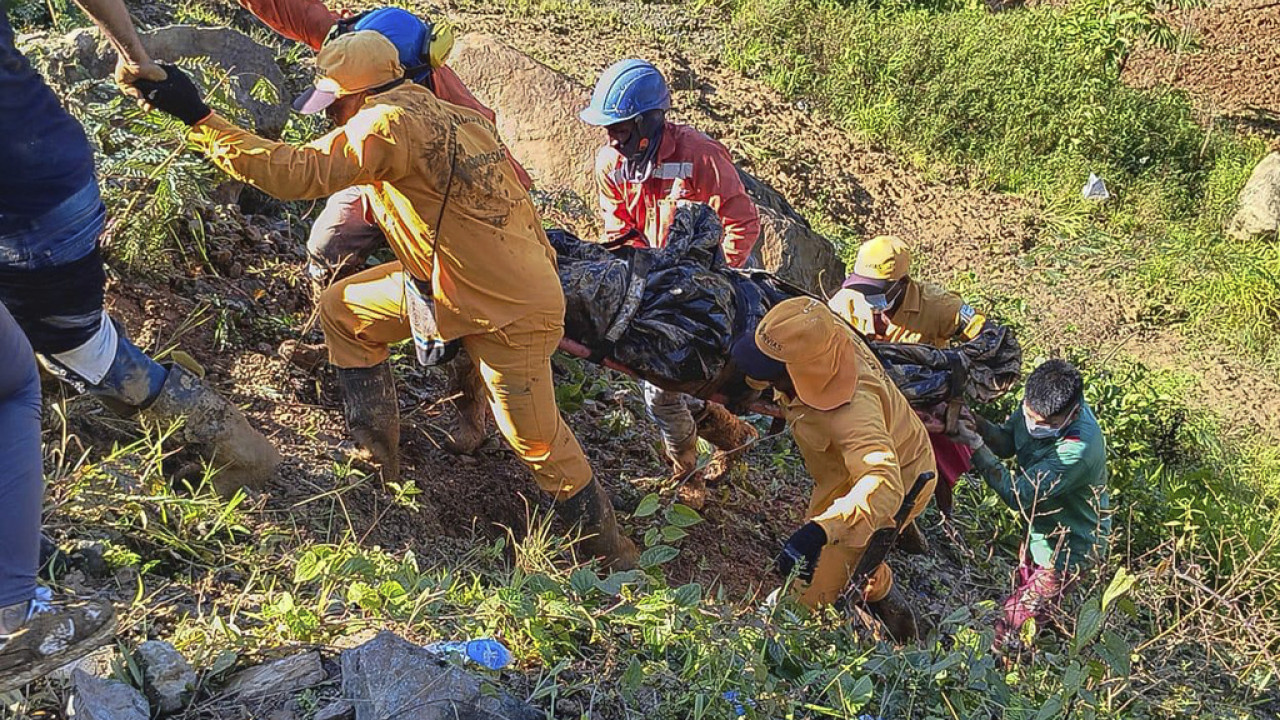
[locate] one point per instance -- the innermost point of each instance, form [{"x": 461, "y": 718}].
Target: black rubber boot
[
  {"x": 593, "y": 512},
  {"x": 897, "y": 616},
  {"x": 217, "y": 430},
  {"x": 912, "y": 540},
  {"x": 373, "y": 415}
]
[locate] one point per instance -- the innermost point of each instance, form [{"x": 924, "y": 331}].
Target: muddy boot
[
  {"x": 912, "y": 540},
  {"x": 304, "y": 356},
  {"x": 691, "y": 487},
  {"x": 217, "y": 430},
  {"x": 373, "y": 415},
  {"x": 52, "y": 636},
  {"x": 731, "y": 436},
  {"x": 593, "y": 512},
  {"x": 897, "y": 616},
  {"x": 471, "y": 404}
]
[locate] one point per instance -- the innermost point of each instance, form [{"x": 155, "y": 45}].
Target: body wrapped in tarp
[{"x": 671, "y": 314}]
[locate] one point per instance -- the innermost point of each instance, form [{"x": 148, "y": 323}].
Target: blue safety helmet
[
  {"x": 404, "y": 29},
  {"x": 626, "y": 90}
]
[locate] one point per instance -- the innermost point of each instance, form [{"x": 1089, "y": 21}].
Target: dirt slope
[
  {"x": 989, "y": 241},
  {"x": 1233, "y": 69}
]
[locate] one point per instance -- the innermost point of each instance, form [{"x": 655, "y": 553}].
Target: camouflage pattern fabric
[{"x": 671, "y": 315}]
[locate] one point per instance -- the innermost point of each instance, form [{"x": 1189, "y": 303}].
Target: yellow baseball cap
[
  {"x": 804, "y": 334},
  {"x": 348, "y": 64},
  {"x": 883, "y": 258}
]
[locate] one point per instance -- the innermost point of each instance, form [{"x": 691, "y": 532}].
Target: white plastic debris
[{"x": 1095, "y": 189}]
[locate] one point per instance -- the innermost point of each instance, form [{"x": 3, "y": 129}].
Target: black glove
[
  {"x": 804, "y": 546},
  {"x": 175, "y": 95}
]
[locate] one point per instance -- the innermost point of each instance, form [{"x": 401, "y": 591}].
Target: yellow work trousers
[
  {"x": 364, "y": 313},
  {"x": 837, "y": 562}
]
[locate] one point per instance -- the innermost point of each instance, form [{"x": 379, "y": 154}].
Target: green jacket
[{"x": 1060, "y": 484}]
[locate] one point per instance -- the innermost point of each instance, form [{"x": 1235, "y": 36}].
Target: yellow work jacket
[
  {"x": 928, "y": 314},
  {"x": 494, "y": 266},
  {"x": 857, "y": 453}
]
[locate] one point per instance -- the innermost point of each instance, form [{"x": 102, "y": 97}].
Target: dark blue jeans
[
  {"x": 21, "y": 475},
  {"x": 51, "y": 280}
]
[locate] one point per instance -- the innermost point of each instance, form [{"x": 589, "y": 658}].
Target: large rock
[
  {"x": 84, "y": 54},
  {"x": 388, "y": 677},
  {"x": 167, "y": 678},
  {"x": 788, "y": 246},
  {"x": 95, "y": 698},
  {"x": 1259, "y": 211},
  {"x": 280, "y": 677},
  {"x": 537, "y": 110}
]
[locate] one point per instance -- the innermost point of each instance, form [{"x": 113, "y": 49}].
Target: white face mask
[{"x": 1041, "y": 431}]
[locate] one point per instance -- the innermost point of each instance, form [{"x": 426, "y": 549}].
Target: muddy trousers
[
  {"x": 21, "y": 482},
  {"x": 674, "y": 413},
  {"x": 366, "y": 312},
  {"x": 873, "y": 508},
  {"x": 342, "y": 236}
]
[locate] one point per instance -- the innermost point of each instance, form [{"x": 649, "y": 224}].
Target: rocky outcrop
[{"x": 1258, "y": 214}]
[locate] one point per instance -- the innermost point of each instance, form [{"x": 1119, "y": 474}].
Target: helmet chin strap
[{"x": 640, "y": 156}]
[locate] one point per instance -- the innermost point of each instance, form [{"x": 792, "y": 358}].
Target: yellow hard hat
[
  {"x": 440, "y": 44},
  {"x": 883, "y": 258}
]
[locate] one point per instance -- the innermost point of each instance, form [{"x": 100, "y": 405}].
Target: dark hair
[{"x": 1053, "y": 388}]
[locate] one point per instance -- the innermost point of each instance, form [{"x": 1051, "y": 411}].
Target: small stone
[
  {"x": 340, "y": 710},
  {"x": 167, "y": 678},
  {"x": 281, "y": 677},
  {"x": 94, "y": 698},
  {"x": 389, "y": 674}
]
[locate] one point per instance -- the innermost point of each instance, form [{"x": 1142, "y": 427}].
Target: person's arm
[
  {"x": 717, "y": 178},
  {"x": 1061, "y": 472},
  {"x": 450, "y": 88},
  {"x": 999, "y": 438},
  {"x": 364, "y": 150},
  {"x": 304, "y": 21},
  {"x": 872, "y": 463},
  {"x": 113, "y": 19},
  {"x": 969, "y": 322},
  {"x": 619, "y": 226}
]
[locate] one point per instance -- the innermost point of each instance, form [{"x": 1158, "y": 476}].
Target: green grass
[{"x": 1019, "y": 102}]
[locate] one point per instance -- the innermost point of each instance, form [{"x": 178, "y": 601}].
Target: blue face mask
[{"x": 878, "y": 303}]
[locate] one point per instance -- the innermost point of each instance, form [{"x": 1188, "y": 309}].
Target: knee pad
[{"x": 58, "y": 308}]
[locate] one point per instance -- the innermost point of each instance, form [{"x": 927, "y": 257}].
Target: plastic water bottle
[{"x": 485, "y": 652}]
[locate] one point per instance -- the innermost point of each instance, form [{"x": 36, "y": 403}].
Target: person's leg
[
  {"x": 342, "y": 237},
  {"x": 35, "y": 637},
  {"x": 471, "y": 404},
  {"x": 515, "y": 363},
  {"x": 52, "y": 278},
  {"x": 21, "y": 482},
  {"x": 670, "y": 412},
  {"x": 1035, "y": 597},
  {"x": 361, "y": 316}
]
